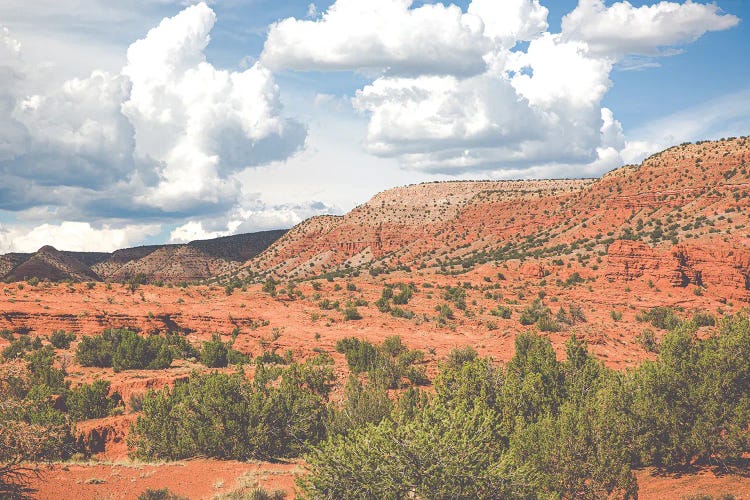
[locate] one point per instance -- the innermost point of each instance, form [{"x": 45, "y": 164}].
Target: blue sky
[
  {"x": 148, "y": 121},
  {"x": 715, "y": 65}
]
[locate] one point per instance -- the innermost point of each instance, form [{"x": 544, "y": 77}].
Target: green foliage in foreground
[
  {"x": 391, "y": 365},
  {"x": 91, "y": 401},
  {"x": 279, "y": 414},
  {"x": 540, "y": 428},
  {"x": 218, "y": 354},
  {"x": 125, "y": 350}
]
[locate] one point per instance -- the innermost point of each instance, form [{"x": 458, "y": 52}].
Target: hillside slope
[
  {"x": 52, "y": 265},
  {"x": 680, "y": 217},
  {"x": 194, "y": 261}
]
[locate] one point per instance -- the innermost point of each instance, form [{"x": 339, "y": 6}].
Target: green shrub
[
  {"x": 647, "y": 340},
  {"x": 61, "y": 339},
  {"x": 514, "y": 433},
  {"x": 181, "y": 347},
  {"x": 43, "y": 373},
  {"x": 501, "y": 311},
  {"x": 397, "y": 312},
  {"x": 547, "y": 324},
  {"x": 362, "y": 405},
  {"x": 159, "y": 494},
  {"x": 704, "y": 319},
  {"x": 134, "y": 352},
  {"x": 573, "y": 279},
  {"x": 125, "y": 350},
  {"x": 214, "y": 353},
  {"x": 457, "y": 295},
  {"x": 89, "y": 401},
  {"x": 269, "y": 287},
  {"x": 351, "y": 313},
  {"x": 404, "y": 295},
  {"x": 360, "y": 354},
  {"x": 235, "y": 357},
  {"x": 660, "y": 317},
  {"x": 387, "y": 364},
  {"x": 692, "y": 405},
  {"x": 95, "y": 351},
  {"x": 18, "y": 347},
  {"x": 226, "y": 416}
]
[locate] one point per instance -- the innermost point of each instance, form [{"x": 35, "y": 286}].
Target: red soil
[
  {"x": 698, "y": 194},
  {"x": 192, "y": 479}
]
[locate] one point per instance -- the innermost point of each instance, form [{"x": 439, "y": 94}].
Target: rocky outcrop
[
  {"x": 106, "y": 437},
  {"x": 715, "y": 264},
  {"x": 628, "y": 260},
  {"x": 532, "y": 269},
  {"x": 720, "y": 266}
]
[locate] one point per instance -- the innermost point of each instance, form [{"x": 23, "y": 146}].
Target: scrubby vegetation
[
  {"x": 218, "y": 354},
  {"x": 92, "y": 401},
  {"x": 535, "y": 427},
  {"x": 543, "y": 428},
  {"x": 61, "y": 339},
  {"x": 125, "y": 350},
  {"x": 391, "y": 365},
  {"x": 280, "y": 413}
]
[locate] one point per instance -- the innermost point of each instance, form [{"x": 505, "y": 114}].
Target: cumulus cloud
[
  {"x": 383, "y": 36},
  {"x": 165, "y": 133},
  {"x": 258, "y": 216},
  {"x": 531, "y": 104},
  {"x": 510, "y": 21},
  {"x": 76, "y": 136},
  {"x": 197, "y": 122},
  {"x": 622, "y": 29},
  {"x": 73, "y": 236},
  {"x": 529, "y": 107}
]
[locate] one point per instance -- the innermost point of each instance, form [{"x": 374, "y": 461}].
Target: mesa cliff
[{"x": 680, "y": 217}]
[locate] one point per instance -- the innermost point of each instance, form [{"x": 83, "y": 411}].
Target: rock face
[
  {"x": 680, "y": 218},
  {"x": 106, "y": 437},
  {"x": 718, "y": 265},
  {"x": 628, "y": 260}
]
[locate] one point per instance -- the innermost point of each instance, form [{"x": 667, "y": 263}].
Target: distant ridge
[
  {"x": 681, "y": 217},
  {"x": 194, "y": 261},
  {"x": 50, "y": 264}
]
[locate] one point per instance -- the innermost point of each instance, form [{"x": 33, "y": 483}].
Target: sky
[{"x": 151, "y": 121}]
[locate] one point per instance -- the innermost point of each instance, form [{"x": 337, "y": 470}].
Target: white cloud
[
  {"x": 197, "y": 122},
  {"x": 532, "y": 105},
  {"x": 510, "y": 21},
  {"x": 386, "y": 35},
  {"x": 193, "y": 230},
  {"x": 562, "y": 74},
  {"x": 622, "y": 29},
  {"x": 725, "y": 116},
  {"x": 424, "y": 117},
  {"x": 73, "y": 236},
  {"x": 527, "y": 108},
  {"x": 164, "y": 134}
]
